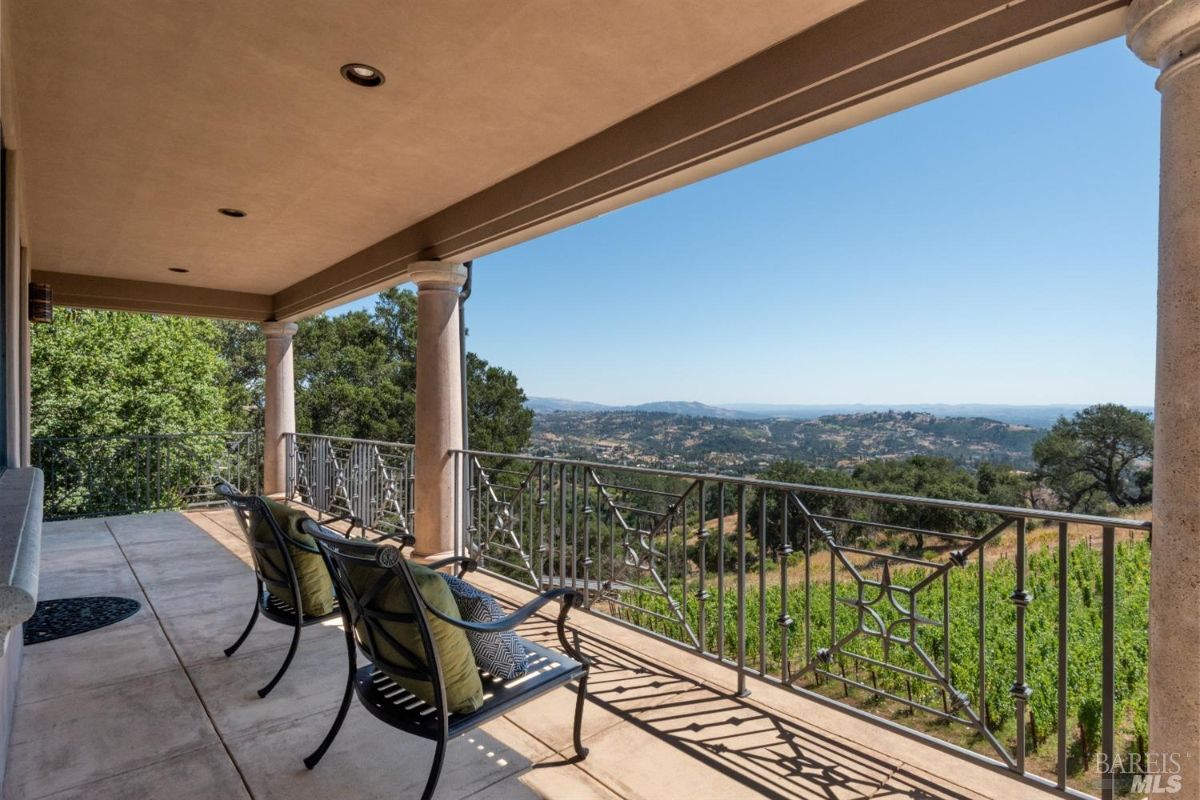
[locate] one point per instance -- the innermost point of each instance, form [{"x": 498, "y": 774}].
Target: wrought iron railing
[
  {"x": 1013, "y": 636},
  {"x": 88, "y": 476},
  {"x": 371, "y": 480}
]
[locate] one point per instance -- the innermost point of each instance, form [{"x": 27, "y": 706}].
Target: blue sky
[{"x": 996, "y": 245}]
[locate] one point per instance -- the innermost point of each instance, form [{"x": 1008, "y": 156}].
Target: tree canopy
[
  {"x": 1100, "y": 455},
  {"x": 356, "y": 377},
  {"x": 96, "y": 373},
  {"x": 102, "y": 372}
]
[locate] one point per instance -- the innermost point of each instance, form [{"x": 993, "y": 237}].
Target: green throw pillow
[
  {"x": 464, "y": 691},
  {"x": 316, "y": 588}
]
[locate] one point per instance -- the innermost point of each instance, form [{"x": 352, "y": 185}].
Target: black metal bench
[{"x": 399, "y": 707}]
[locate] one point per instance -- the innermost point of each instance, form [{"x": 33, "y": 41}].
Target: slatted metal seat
[
  {"x": 283, "y": 612},
  {"x": 367, "y": 626},
  {"x": 273, "y": 569}
]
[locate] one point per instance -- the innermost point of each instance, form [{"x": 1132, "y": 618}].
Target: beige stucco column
[
  {"x": 279, "y": 410},
  {"x": 439, "y": 413},
  {"x": 1166, "y": 34}
]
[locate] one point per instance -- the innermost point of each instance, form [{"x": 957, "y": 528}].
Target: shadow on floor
[{"x": 773, "y": 755}]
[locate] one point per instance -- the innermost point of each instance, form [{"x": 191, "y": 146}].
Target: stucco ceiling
[{"x": 135, "y": 120}]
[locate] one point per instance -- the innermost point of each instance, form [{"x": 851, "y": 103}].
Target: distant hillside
[
  {"x": 681, "y": 441},
  {"x": 543, "y": 405},
  {"x": 1038, "y": 416},
  {"x": 695, "y": 410},
  {"x": 1042, "y": 416}
]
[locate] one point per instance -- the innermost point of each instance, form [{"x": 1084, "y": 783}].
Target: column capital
[
  {"x": 1164, "y": 33},
  {"x": 279, "y": 330},
  {"x": 437, "y": 274}
]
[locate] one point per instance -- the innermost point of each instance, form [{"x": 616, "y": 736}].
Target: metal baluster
[
  {"x": 1020, "y": 690},
  {"x": 833, "y": 635},
  {"x": 785, "y": 618},
  {"x": 947, "y": 701},
  {"x": 551, "y": 469},
  {"x": 762, "y": 581},
  {"x": 981, "y": 628},
  {"x": 290, "y": 471},
  {"x": 366, "y": 482},
  {"x": 1061, "y": 727},
  {"x": 575, "y": 526},
  {"x": 562, "y": 524},
  {"x": 1107, "y": 678},
  {"x": 668, "y": 522},
  {"x": 612, "y": 548},
  {"x": 481, "y": 504},
  {"x": 459, "y": 549},
  {"x": 741, "y": 592},
  {"x": 589, "y": 513},
  {"x": 158, "y": 498},
  {"x": 683, "y": 562},
  {"x": 808, "y": 654},
  {"x": 721, "y": 571},
  {"x": 702, "y": 588}
]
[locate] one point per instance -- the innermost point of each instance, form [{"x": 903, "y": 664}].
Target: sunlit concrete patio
[{"x": 150, "y": 707}]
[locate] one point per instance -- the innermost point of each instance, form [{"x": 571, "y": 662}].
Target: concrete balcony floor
[{"x": 151, "y": 708}]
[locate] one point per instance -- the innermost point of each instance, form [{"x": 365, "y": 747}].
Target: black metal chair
[
  {"x": 274, "y": 569},
  {"x": 367, "y": 628}
]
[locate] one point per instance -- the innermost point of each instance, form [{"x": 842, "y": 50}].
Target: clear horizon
[{"x": 994, "y": 246}]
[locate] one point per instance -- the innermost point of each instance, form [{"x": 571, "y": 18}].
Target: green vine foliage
[{"x": 961, "y": 593}]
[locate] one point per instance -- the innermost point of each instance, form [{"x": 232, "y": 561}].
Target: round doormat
[{"x": 55, "y": 619}]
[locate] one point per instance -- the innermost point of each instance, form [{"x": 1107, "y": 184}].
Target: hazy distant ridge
[{"x": 1038, "y": 416}]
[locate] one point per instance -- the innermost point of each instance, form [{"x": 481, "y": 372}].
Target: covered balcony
[
  {"x": 150, "y": 707},
  {"x": 717, "y": 669},
  {"x": 268, "y": 161}
]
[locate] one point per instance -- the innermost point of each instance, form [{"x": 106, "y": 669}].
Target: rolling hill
[{"x": 745, "y": 446}]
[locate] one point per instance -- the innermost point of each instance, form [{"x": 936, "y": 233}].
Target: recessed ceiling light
[
  {"x": 236, "y": 213},
  {"x": 178, "y": 269},
  {"x": 362, "y": 74}
]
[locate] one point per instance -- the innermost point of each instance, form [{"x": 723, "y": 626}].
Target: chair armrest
[
  {"x": 468, "y": 564},
  {"x": 402, "y": 539},
  {"x": 514, "y": 619},
  {"x": 355, "y": 522}
]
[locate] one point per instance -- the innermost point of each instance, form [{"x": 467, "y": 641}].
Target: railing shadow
[{"x": 773, "y": 755}]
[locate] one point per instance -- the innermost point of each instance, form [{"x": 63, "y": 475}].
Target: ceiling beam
[
  {"x": 874, "y": 58},
  {"x": 89, "y": 291}
]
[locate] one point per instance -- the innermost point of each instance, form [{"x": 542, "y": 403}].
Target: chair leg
[
  {"x": 436, "y": 773},
  {"x": 319, "y": 753},
  {"x": 263, "y": 692},
  {"x": 580, "y": 751},
  {"x": 249, "y": 627}
]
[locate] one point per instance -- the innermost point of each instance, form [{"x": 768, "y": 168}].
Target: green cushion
[
  {"x": 464, "y": 690},
  {"x": 316, "y": 588}
]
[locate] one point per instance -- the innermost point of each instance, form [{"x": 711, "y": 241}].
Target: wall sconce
[{"x": 41, "y": 303}]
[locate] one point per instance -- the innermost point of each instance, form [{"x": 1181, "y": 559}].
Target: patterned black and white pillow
[{"x": 501, "y": 654}]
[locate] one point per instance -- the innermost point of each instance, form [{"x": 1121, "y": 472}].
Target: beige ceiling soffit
[
  {"x": 88, "y": 291},
  {"x": 873, "y": 49}
]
